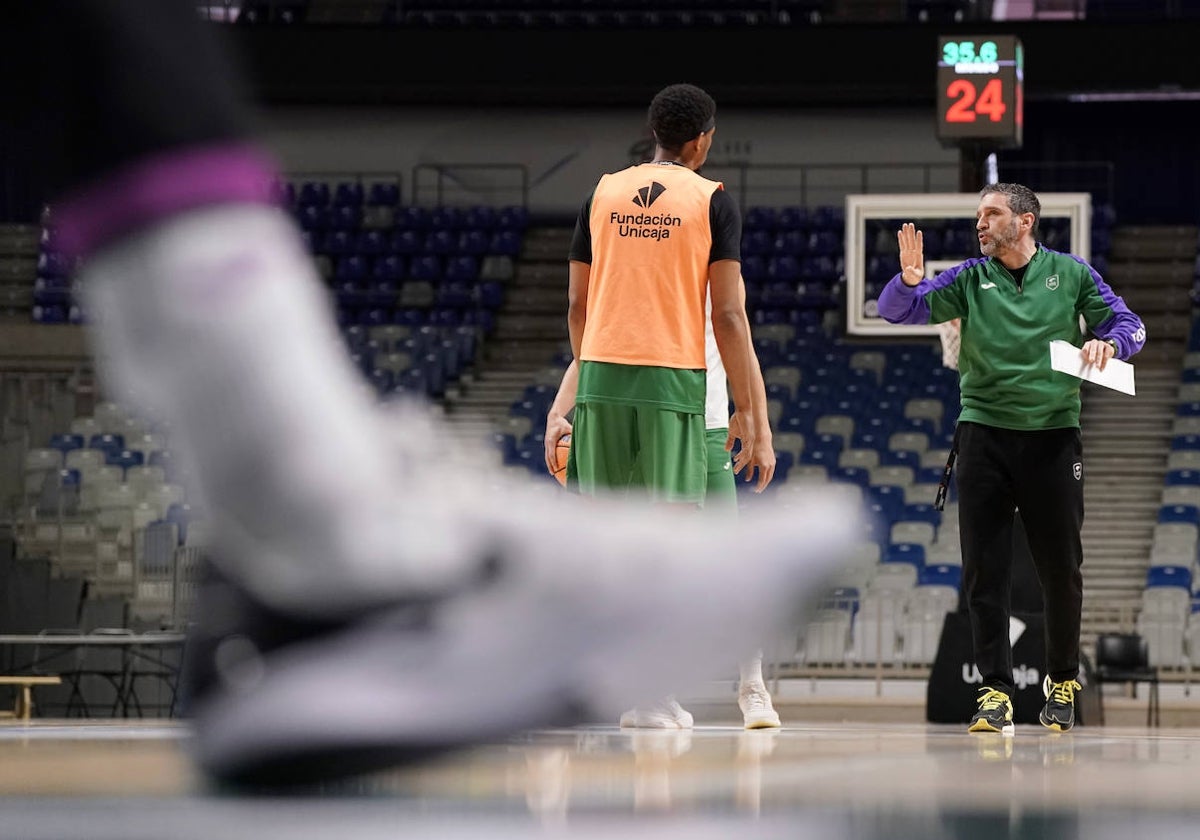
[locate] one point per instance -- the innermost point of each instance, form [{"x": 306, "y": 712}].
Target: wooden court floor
[{"x": 133, "y": 780}]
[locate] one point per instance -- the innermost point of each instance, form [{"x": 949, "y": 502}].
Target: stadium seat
[
  {"x": 1169, "y": 576},
  {"x": 911, "y": 553},
  {"x": 383, "y": 194}
]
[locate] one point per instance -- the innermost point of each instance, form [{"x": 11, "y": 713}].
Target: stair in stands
[
  {"x": 530, "y": 333},
  {"x": 1126, "y": 439}
]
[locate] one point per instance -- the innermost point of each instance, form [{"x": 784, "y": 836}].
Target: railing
[
  {"x": 820, "y": 184},
  {"x": 439, "y": 184},
  {"x": 817, "y": 184},
  {"x": 770, "y": 185}
]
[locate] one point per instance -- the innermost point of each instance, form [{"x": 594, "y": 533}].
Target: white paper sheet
[{"x": 1118, "y": 375}]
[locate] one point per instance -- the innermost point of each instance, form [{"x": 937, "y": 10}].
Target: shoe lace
[
  {"x": 754, "y": 700},
  {"x": 1064, "y": 692},
  {"x": 992, "y": 699}
]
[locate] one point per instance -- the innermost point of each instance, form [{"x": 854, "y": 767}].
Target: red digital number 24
[{"x": 989, "y": 102}]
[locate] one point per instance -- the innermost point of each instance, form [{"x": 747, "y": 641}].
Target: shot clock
[{"x": 979, "y": 90}]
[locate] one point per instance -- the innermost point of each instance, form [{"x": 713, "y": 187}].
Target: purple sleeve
[
  {"x": 903, "y": 304},
  {"x": 1123, "y": 327}
]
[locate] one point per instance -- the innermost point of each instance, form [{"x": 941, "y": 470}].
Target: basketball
[{"x": 561, "y": 450}]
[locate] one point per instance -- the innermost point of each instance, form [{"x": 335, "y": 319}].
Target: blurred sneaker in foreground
[{"x": 538, "y": 636}]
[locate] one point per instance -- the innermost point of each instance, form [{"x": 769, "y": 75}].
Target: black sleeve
[
  {"x": 726, "y": 222},
  {"x": 581, "y": 242}
]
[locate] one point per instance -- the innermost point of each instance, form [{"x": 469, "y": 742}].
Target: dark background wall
[
  {"x": 850, "y": 66},
  {"x": 856, "y": 68}
]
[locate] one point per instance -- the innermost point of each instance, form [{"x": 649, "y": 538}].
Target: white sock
[
  {"x": 216, "y": 322},
  {"x": 751, "y": 670}
]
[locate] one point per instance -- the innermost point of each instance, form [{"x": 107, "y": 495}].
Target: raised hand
[{"x": 912, "y": 254}]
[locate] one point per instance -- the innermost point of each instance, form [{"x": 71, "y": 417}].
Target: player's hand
[
  {"x": 757, "y": 451},
  {"x": 912, "y": 254},
  {"x": 1097, "y": 351},
  {"x": 557, "y": 427}
]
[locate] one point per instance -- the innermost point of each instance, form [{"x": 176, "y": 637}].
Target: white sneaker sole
[{"x": 761, "y": 720}]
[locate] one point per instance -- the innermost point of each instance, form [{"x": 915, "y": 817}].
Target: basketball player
[{"x": 754, "y": 699}]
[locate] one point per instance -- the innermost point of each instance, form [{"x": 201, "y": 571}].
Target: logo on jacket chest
[{"x": 1052, "y": 282}]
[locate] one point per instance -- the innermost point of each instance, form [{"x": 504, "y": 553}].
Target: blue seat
[
  {"x": 900, "y": 458},
  {"x": 107, "y": 442},
  {"x": 480, "y": 217},
  {"x": 849, "y": 475},
  {"x": 348, "y": 193},
  {"x": 313, "y": 193},
  {"x": 454, "y": 294},
  {"x": 435, "y": 374},
  {"x": 372, "y": 243},
  {"x": 507, "y": 443},
  {"x": 406, "y": 242},
  {"x": 337, "y": 243},
  {"x": 381, "y": 294},
  {"x": 442, "y": 242},
  {"x": 344, "y": 217},
  {"x": 474, "y": 242},
  {"x": 890, "y": 498},
  {"x": 920, "y": 512},
  {"x": 425, "y": 267},
  {"x": 352, "y": 267},
  {"x": 754, "y": 270},
  {"x": 462, "y": 268},
  {"x": 1185, "y": 442},
  {"x": 505, "y": 242},
  {"x": 759, "y": 218},
  {"x": 124, "y": 458},
  {"x": 350, "y": 293},
  {"x": 793, "y": 242},
  {"x": 391, "y": 267},
  {"x": 912, "y": 553},
  {"x": 413, "y": 381},
  {"x": 1180, "y": 513},
  {"x": 940, "y": 575},
  {"x": 49, "y": 314},
  {"x": 1178, "y": 576},
  {"x": 311, "y": 217},
  {"x": 382, "y": 194},
  {"x": 783, "y": 267},
  {"x": 491, "y": 294},
  {"x": 411, "y": 218},
  {"x": 756, "y": 243},
  {"x": 792, "y": 217},
  {"x": 513, "y": 218},
  {"x": 448, "y": 218},
  {"x": 1182, "y": 476},
  {"x": 381, "y": 379},
  {"x": 52, "y": 264},
  {"x": 64, "y": 442}
]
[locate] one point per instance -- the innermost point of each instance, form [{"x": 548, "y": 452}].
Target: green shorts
[
  {"x": 721, "y": 492},
  {"x": 630, "y": 449}
]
